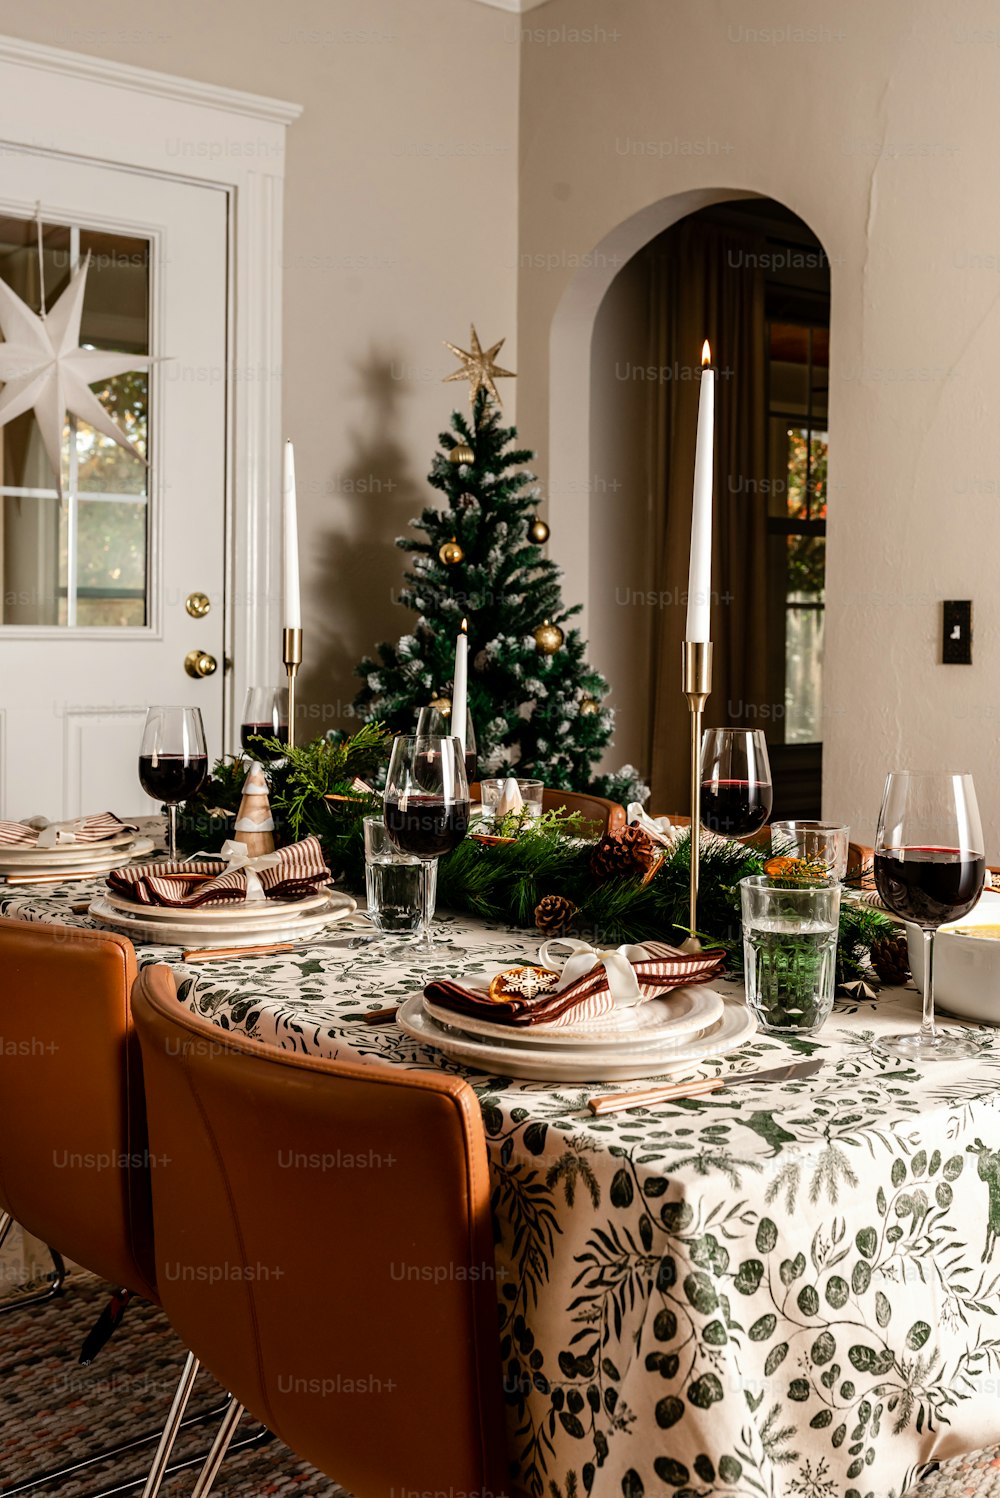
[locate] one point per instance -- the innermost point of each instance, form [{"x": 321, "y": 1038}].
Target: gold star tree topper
[{"x": 479, "y": 367}]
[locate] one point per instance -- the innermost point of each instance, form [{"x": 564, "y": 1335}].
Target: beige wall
[
  {"x": 400, "y": 229},
  {"x": 878, "y": 125}
]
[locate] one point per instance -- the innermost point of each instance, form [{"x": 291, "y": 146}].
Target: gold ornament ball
[
  {"x": 549, "y": 638},
  {"x": 462, "y": 453},
  {"x": 589, "y": 706},
  {"x": 538, "y": 531},
  {"x": 451, "y": 553},
  {"x": 441, "y": 705}
]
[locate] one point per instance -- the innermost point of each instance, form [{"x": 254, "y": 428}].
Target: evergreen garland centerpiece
[{"x": 536, "y": 704}]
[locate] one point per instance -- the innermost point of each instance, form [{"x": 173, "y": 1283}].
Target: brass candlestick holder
[
  {"x": 697, "y": 684},
  {"x": 291, "y": 654}
]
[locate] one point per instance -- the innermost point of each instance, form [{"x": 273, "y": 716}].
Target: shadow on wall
[{"x": 369, "y": 503}]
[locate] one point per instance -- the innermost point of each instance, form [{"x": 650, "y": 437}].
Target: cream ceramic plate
[
  {"x": 96, "y": 860},
  {"x": 66, "y": 852},
  {"x": 259, "y": 911},
  {"x": 733, "y": 1029},
  {"x": 685, "y": 1011},
  {"x": 337, "y": 907}
]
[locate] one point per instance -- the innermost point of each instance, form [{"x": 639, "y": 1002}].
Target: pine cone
[
  {"x": 554, "y": 914},
  {"x": 626, "y": 852},
  {"x": 890, "y": 959}
]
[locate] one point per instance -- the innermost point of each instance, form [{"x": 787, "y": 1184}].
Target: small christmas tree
[{"x": 536, "y": 704}]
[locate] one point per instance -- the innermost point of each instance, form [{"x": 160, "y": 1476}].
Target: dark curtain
[{"x": 707, "y": 282}]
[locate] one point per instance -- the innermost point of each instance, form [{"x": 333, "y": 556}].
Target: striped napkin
[
  {"x": 296, "y": 871},
  {"x": 662, "y": 969},
  {"x": 92, "y": 829}
]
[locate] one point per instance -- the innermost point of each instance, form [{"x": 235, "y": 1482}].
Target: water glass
[
  {"x": 531, "y": 794},
  {"x": 401, "y": 888},
  {"x": 817, "y": 842},
  {"x": 790, "y": 953}
]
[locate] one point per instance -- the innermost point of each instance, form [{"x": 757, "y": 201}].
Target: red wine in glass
[
  {"x": 735, "y": 808},
  {"x": 426, "y": 826},
  {"x": 929, "y": 886},
  {"x": 172, "y": 777},
  {"x": 251, "y": 733}
]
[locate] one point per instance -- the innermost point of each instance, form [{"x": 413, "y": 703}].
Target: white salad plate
[
  {"x": 337, "y": 907},
  {"x": 99, "y": 858},
  {"x": 683, "y": 1011},
  {"x": 235, "y": 914},
  {"x": 536, "y": 1064}
]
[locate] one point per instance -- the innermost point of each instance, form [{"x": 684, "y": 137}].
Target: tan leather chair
[
  {"x": 342, "y": 1212},
  {"x": 609, "y": 815},
  {"x": 74, "y": 1166}
]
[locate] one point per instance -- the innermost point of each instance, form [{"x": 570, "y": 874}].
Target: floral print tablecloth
[{"x": 761, "y": 1292}]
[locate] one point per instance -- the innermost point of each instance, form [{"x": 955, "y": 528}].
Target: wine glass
[
  {"x": 735, "y": 781},
  {"x": 173, "y": 760},
  {"x": 930, "y": 866},
  {"x": 265, "y": 715},
  {"x": 432, "y": 721},
  {"x": 426, "y": 804}
]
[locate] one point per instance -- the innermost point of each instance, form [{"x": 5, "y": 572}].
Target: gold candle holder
[
  {"x": 697, "y": 684},
  {"x": 291, "y": 654}
]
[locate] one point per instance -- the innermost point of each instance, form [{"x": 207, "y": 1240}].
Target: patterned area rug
[{"x": 56, "y": 1412}]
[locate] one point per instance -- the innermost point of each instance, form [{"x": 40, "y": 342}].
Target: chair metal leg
[
  {"x": 38, "y": 1297},
  {"x": 217, "y": 1455},
  {"x": 181, "y": 1396},
  {"x": 260, "y": 1437}
]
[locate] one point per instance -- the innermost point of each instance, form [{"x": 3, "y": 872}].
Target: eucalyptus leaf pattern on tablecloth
[{"x": 764, "y": 1293}]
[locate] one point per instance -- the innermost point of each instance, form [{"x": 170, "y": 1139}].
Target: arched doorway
[{"x": 768, "y": 286}]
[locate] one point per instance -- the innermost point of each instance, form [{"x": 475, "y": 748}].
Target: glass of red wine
[
  {"x": 426, "y": 804},
  {"x": 736, "y": 789},
  {"x": 173, "y": 760},
  {"x": 265, "y": 716},
  {"x": 930, "y": 867},
  {"x": 431, "y": 720}
]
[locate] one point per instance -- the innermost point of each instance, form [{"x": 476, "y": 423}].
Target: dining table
[{"x": 770, "y": 1290}]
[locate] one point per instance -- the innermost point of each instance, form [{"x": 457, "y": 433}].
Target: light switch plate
[{"x": 956, "y": 632}]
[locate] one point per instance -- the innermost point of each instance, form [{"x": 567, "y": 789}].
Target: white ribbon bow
[
  {"x": 623, "y": 985},
  {"x": 54, "y": 833},
  {"x": 238, "y": 856},
  {"x": 660, "y": 829}
]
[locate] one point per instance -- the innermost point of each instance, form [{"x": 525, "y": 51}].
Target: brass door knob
[
  {"x": 199, "y": 663},
  {"x": 198, "y": 605}
]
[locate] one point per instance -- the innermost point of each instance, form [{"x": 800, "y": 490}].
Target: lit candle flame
[
  {"x": 465, "y": 626},
  {"x": 706, "y": 353}
]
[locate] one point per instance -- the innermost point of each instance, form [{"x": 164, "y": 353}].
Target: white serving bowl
[{"x": 966, "y": 962}]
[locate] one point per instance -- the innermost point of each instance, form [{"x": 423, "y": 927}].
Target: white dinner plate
[
  {"x": 66, "y": 852},
  {"x": 684, "y": 1011},
  {"x": 96, "y": 861},
  {"x": 174, "y": 934},
  {"x": 537, "y": 1065},
  {"x": 235, "y": 914}
]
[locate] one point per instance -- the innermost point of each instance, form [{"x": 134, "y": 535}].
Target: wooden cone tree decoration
[{"x": 255, "y": 824}]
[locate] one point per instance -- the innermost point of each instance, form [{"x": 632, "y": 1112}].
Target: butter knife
[
  {"x": 224, "y": 954},
  {"x": 698, "y": 1087}
]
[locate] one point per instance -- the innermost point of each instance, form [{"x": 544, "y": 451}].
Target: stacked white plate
[
  {"x": 77, "y": 858},
  {"x": 647, "y": 1040},
  {"x": 235, "y": 925}
]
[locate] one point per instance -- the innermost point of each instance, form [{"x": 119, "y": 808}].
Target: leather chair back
[
  {"x": 73, "y": 1161},
  {"x": 324, "y": 1246}
]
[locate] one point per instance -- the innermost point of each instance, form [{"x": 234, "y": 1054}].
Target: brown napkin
[
  {"x": 92, "y": 829},
  {"x": 299, "y": 871},
  {"x": 664, "y": 969}
]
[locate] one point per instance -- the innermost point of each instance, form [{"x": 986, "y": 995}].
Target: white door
[{"x": 99, "y": 606}]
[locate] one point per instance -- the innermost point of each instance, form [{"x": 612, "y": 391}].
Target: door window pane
[{"x": 80, "y": 560}]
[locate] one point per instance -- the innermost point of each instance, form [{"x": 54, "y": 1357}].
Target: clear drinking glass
[
  {"x": 531, "y": 791},
  {"x": 930, "y": 867},
  {"x": 173, "y": 760},
  {"x": 398, "y": 901},
  {"x": 817, "y": 842},
  {"x": 790, "y": 952},
  {"x": 735, "y": 781},
  {"x": 436, "y": 724},
  {"x": 265, "y": 715},
  {"x": 427, "y": 800}
]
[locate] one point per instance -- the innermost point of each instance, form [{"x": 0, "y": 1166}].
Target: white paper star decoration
[{"x": 44, "y": 369}]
